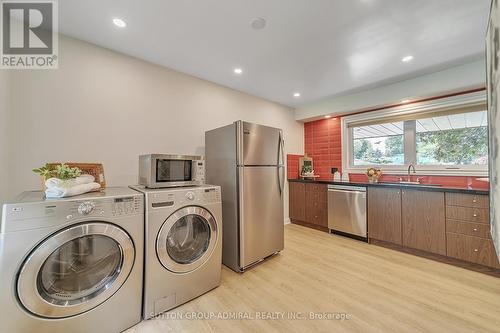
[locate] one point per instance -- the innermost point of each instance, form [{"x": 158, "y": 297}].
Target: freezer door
[
  {"x": 261, "y": 213},
  {"x": 259, "y": 145}
]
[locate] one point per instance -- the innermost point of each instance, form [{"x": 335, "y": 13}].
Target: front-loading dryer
[
  {"x": 183, "y": 245},
  {"x": 72, "y": 265}
]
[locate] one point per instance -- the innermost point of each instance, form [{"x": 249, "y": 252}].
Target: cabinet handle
[
  {"x": 474, "y": 200},
  {"x": 475, "y": 215},
  {"x": 475, "y": 229},
  {"x": 476, "y": 250}
]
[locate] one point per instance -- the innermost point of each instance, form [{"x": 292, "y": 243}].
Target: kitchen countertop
[{"x": 467, "y": 190}]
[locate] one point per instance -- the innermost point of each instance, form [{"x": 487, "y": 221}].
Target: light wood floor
[{"x": 380, "y": 289}]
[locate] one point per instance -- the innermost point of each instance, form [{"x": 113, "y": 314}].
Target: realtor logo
[{"x": 29, "y": 34}]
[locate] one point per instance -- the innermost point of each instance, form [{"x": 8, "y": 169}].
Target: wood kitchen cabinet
[
  {"x": 446, "y": 226},
  {"x": 468, "y": 235},
  {"x": 384, "y": 214},
  {"x": 308, "y": 204},
  {"x": 423, "y": 220},
  {"x": 297, "y": 201},
  {"x": 317, "y": 204}
]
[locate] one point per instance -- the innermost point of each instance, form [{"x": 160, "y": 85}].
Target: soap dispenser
[{"x": 336, "y": 175}]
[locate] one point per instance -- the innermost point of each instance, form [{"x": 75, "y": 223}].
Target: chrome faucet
[{"x": 409, "y": 168}]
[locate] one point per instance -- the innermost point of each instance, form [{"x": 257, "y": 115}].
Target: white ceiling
[{"x": 319, "y": 48}]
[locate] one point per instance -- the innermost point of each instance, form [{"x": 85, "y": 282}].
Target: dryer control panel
[{"x": 185, "y": 196}]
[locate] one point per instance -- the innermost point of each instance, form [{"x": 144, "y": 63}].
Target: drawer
[
  {"x": 479, "y": 215},
  {"x": 468, "y": 228},
  {"x": 472, "y": 249},
  {"x": 316, "y": 188},
  {"x": 467, "y": 200}
]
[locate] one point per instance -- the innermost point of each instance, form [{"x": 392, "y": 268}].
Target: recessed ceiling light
[
  {"x": 328, "y": 116},
  {"x": 405, "y": 101},
  {"x": 407, "y": 58},
  {"x": 258, "y": 23},
  {"x": 296, "y": 95},
  {"x": 238, "y": 71},
  {"x": 119, "y": 23}
]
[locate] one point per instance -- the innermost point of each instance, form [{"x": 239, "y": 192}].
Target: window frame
[{"x": 474, "y": 99}]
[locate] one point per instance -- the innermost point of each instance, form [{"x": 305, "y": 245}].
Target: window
[
  {"x": 435, "y": 137},
  {"x": 378, "y": 144},
  {"x": 459, "y": 139}
]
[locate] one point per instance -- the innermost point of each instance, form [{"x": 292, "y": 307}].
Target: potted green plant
[{"x": 61, "y": 171}]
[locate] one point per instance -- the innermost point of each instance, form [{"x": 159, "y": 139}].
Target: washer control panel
[
  {"x": 86, "y": 208},
  {"x": 47, "y": 213},
  {"x": 127, "y": 205},
  {"x": 119, "y": 206}
]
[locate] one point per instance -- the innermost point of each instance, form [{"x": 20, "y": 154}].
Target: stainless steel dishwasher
[{"x": 347, "y": 210}]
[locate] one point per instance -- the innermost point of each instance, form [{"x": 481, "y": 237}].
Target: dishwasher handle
[{"x": 344, "y": 188}]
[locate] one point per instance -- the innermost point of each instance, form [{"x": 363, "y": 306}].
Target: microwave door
[{"x": 259, "y": 145}]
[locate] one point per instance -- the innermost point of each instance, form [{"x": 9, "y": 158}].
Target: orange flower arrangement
[{"x": 373, "y": 174}]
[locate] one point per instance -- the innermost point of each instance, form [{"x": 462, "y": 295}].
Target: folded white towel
[
  {"x": 56, "y": 182},
  {"x": 62, "y": 192}
]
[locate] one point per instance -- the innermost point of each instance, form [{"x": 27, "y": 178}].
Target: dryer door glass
[
  {"x": 75, "y": 270},
  {"x": 82, "y": 267},
  {"x": 186, "y": 239}
]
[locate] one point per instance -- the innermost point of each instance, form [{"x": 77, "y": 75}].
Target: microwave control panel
[{"x": 199, "y": 166}]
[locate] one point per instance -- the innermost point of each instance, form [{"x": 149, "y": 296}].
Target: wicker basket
[{"x": 94, "y": 169}]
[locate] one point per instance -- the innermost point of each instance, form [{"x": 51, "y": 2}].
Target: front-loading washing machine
[
  {"x": 183, "y": 245},
  {"x": 72, "y": 265}
]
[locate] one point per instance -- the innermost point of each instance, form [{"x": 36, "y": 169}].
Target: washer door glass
[
  {"x": 82, "y": 267},
  {"x": 186, "y": 239},
  {"x": 75, "y": 270}
]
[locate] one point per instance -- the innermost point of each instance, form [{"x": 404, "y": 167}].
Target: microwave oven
[{"x": 160, "y": 170}]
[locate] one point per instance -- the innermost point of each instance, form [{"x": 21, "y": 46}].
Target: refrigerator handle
[
  {"x": 239, "y": 143},
  {"x": 281, "y": 149},
  {"x": 281, "y": 179},
  {"x": 241, "y": 219},
  {"x": 281, "y": 166}
]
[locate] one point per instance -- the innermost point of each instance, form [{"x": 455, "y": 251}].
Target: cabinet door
[
  {"x": 384, "y": 214},
  {"x": 424, "y": 224},
  {"x": 317, "y": 213},
  {"x": 317, "y": 204},
  {"x": 297, "y": 201}
]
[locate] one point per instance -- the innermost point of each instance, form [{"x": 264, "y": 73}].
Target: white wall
[
  {"x": 459, "y": 78},
  {"x": 102, "y": 106},
  {"x": 4, "y": 137}
]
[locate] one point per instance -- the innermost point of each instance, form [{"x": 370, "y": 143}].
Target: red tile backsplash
[
  {"x": 292, "y": 163},
  {"x": 322, "y": 142}
]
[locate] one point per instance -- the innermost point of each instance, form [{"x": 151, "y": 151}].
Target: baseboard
[
  {"x": 437, "y": 257},
  {"x": 310, "y": 225},
  {"x": 287, "y": 221}
]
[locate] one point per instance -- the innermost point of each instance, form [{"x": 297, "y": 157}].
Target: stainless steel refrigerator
[{"x": 246, "y": 160}]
